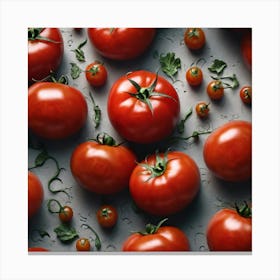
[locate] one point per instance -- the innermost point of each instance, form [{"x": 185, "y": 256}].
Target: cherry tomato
[
  {"x": 246, "y": 94},
  {"x": 37, "y": 249},
  {"x": 230, "y": 230},
  {"x": 194, "y": 38},
  {"x": 107, "y": 216},
  {"x": 45, "y": 52},
  {"x": 96, "y": 74},
  {"x": 66, "y": 214},
  {"x": 164, "y": 184},
  {"x": 35, "y": 194},
  {"x": 102, "y": 167},
  {"x": 246, "y": 48},
  {"x": 143, "y": 107},
  {"x": 83, "y": 244},
  {"x": 202, "y": 109},
  {"x": 228, "y": 151},
  {"x": 121, "y": 43},
  {"x": 194, "y": 76},
  {"x": 215, "y": 90},
  {"x": 157, "y": 238},
  {"x": 55, "y": 111}
]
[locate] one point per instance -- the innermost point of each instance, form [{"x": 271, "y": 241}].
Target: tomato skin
[
  {"x": 194, "y": 76},
  {"x": 121, "y": 43},
  {"x": 229, "y": 231},
  {"x": 96, "y": 74},
  {"x": 55, "y": 111},
  {"x": 35, "y": 194},
  {"x": 37, "y": 249},
  {"x": 83, "y": 244},
  {"x": 246, "y": 94},
  {"x": 107, "y": 216},
  {"x": 170, "y": 192},
  {"x": 194, "y": 38},
  {"x": 202, "y": 109},
  {"x": 227, "y": 151},
  {"x": 133, "y": 119},
  {"x": 45, "y": 56},
  {"x": 167, "y": 238},
  {"x": 66, "y": 214},
  {"x": 215, "y": 90},
  {"x": 246, "y": 49},
  {"x": 102, "y": 169}
]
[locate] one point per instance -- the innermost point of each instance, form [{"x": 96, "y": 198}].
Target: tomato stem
[
  {"x": 152, "y": 229},
  {"x": 245, "y": 211},
  {"x": 50, "y": 208},
  {"x": 97, "y": 239}
]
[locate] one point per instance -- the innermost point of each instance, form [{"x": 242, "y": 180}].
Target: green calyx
[
  {"x": 34, "y": 34},
  {"x": 105, "y": 139},
  {"x": 244, "y": 211},
  {"x": 152, "y": 229}
]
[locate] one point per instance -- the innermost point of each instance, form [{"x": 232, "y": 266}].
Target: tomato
[
  {"x": 55, "y": 111},
  {"x": 157, "y": 238},
  {"x": 121, "y": 43},
  {"x": 164, "y": 184},
  {"x": 35, "y": 194},
  {"x": 246, "y": 94},
  {"x": 202, "y": 109},
  {"x": 37, "y": 249},
  {"x": 228, "y": 151},
  {"x": 96, "y": 74},
  {"x": 107, "y": 216},
  {"x": 66, "y": 214},
  {"x": 246, "y": 49},
  {"x": 215, "y": 90},
  {"x": 83, "y": 244},
  {"x": 45, "y": 52},
  {"x": 102, "y": 166},
  {"x": 230, "y": 230},
  {"x": 143, "y": 107},
  {"x": 194, "y": 38},
  {"x": 194, "y": 76}
]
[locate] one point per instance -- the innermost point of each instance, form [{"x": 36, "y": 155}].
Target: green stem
[{"x": 97, "y": 239}]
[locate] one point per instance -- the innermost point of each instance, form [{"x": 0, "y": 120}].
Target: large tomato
[
  {"x": 164, "y": 184},
  {"x": 157, "y": 238},
  {"x": 230, "y": 230},
  {"x": 228, "y": 151},
  {"x": 246, "y": 48},
  {"x": 121, "y": 43},
  {"x": 143, "y": 107},
  {"x": 55, "y": 110},
  {"x": 35, "y": 194},
  {"x": 45, "y": 52},
  {"x": 102, "y": 166}
]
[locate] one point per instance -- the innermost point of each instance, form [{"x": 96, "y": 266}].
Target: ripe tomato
[
  {"x": 37, "y": 249},
  {"x": 194, "y": 38},
  {"x": 157, "y": 238},
  {"x": 66, "y": 214},
  {"x": 45, "y": 52},
  {"x": 164, "y": 184},
  {"x": 246, "y": 48},
  {"x": 102, "y": 167},
  {"x": 215, "y": 90},
  {"x": 83, "y": 244},
  {"x": 246, "y": 94},
  {"x": 55, "y": 110},
  {"x": 107, "y": 216},
  {"x": 194, "y": 76},
  {"x": 35, "y": 194},
  {"x": 228, "y": 151},
  {"x": 230, "y": 230},
  {"x": 121, "y": 43},
  {"x": 143, "y": 107},
  {"x": 202, "y": 109},
  {"x": 96, "y": 74}
]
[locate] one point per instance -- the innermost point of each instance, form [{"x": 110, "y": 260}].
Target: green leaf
[
  {"x": 75, "y": 70},
  {"x": 217, "y": 66},
  {"x": 41, "y": 158},
  {"x": 233, "y": 79},
  {"x": 65, "y": 233},
  {"x": 97, "y": 112},
  {"x": 170, "y": 64},
  {"x": 80, "y": 55},
  {"x": 181, "y": 124}
]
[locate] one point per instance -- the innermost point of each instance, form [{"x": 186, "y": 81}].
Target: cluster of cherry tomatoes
[{"x": 143, "y": 108}]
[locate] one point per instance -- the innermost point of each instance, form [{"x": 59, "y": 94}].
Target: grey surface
[{"x": 213, "y": 194}]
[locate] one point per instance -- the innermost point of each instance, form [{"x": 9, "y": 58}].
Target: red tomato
[
  {"x": 107, "y": 216},
  {"x": 194, "y": 38},
  {"x": 143, "y": 107},
  {"x": 96, "y": 74},
  {"x": 194, "y": 76},
  {"x": 165, "y": 184},
  {"x": 37, "y": 249},
  {"x": 102, "y": 168},
  {"x": 35, "y": 194},
  {"x": 230, "y": 230},
  {"x": 228, "y": 151},
  {"x": 83, "y": 244},
  {"x": 246, "y": 94},
  {"x": 165, "y": 238},
  {"x": 55, "y": 110},
  {"x": 121, "y": 43},
  {"x": 246, "y": 49},
  {"x": 215, "y": 90},
  {"x": 45, "y": 52},
  {"x": 66, "y": 214},
  {"x": 202, "y": 109}
]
